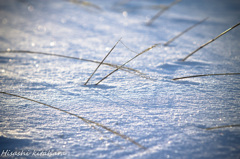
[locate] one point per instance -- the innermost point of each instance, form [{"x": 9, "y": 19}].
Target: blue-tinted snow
[{"x": 167, "y": 117}]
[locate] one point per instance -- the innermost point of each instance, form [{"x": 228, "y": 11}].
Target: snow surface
[{"x": 165, "y": 116}]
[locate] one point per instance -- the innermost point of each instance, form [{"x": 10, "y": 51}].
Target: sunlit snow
[{"x": 169, "y": 118}]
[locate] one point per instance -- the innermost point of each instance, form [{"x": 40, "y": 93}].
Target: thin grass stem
[
  {"x": 202, "y": 46},
  {"x": 183, "y": 32},
  {"x": 161, "y": 12},
  {"x": 126, "y": 63},
  {"x": 127, "y": 69},
  {"x": 102, "y": 62},
  {"x": 85, "y": 3},
  {"x": 218, "y": 74},
  {"x": 151, "y": 47},
  {"x": 83, "y": 119}
]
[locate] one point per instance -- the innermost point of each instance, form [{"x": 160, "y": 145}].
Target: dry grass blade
[
  {"x": 102, "y": 62},
  {"x": 153, "y": 46},
  {"x": 219, "y": 74},
  {"x": 225, "y": 126},
  {"x": 186, "y": 30},
  {"x": 85, "y": 3},
  {"x": 161, "y": 12},
  {"x": 127, "y": 69},
  {"x": 127, "y": 63},
  {"x": 210, "y": 41},
  {"x": 82, "y": 118}
]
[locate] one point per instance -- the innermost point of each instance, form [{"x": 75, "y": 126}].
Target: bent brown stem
[
  {"x": 202, "y": 46},
  {"x": 218, "y": 74},
  {"x": 90, "y": 122}
]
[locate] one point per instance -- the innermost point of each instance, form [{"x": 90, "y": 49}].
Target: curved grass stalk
[
  {"x": 127, "y": 69},
  {"x": 93, "y": 124},
  {"x": 225, "y": 126},
  {"x": 161, "y": 12},
  {"x": 218, "y": 74},
  {"x": 127, "y": 47},
  {"x": 202, "y": 46}
]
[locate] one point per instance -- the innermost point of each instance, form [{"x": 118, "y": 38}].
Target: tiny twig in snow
[
  {"x": 218, "y": 74},
  {"x": 90, "y": 122},
  {"x": 161, "y": 12},
  {"x": 102, "y": 62},
  {"x": 210, "y": 41}
]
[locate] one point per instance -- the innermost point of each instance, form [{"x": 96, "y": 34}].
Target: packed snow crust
[{"x": 167, "y": 117}]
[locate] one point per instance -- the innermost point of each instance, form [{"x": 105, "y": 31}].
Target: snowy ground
[{"x": 165, "y": 116}]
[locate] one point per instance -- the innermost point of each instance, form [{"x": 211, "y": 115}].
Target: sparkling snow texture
[{"x": 165, "y": 116}]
